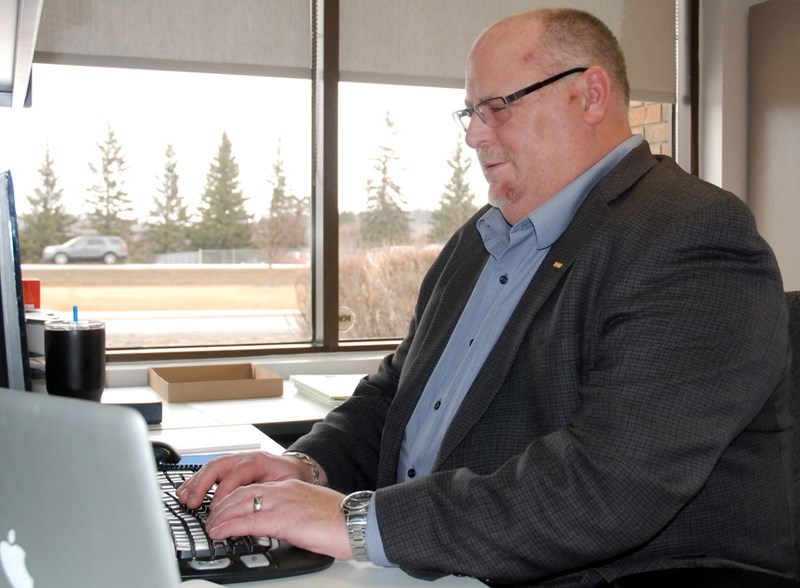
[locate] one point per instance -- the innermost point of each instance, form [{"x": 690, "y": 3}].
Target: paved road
[{"x": 149, "y": 329}]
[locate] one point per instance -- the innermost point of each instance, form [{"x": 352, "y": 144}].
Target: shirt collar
[{"x": 551, "y": 219}]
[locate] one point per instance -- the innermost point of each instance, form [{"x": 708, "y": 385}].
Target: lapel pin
[{"x": 558, "y": 264}]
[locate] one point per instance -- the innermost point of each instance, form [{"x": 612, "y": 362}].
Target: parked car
[{"x": 95, "y": 248}]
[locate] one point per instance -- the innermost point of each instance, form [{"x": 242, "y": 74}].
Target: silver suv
[{"x": 105, "y": 249}]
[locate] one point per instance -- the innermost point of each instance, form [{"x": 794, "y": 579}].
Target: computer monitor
[{"x": 14, "y": 361}]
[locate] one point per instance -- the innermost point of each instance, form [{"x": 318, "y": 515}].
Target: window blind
[{"x": 417, "y": 42}]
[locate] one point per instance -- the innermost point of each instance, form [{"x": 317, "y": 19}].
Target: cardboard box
[{"x": 214, "y": 382}]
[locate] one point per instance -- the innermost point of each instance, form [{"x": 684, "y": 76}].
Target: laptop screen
[{"x": 14, "y": 362}]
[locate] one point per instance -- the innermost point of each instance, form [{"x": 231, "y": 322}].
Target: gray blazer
[{"x": 632, "y": 416}]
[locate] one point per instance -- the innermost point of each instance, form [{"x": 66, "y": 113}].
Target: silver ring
[{"x": 257, "y": 500}]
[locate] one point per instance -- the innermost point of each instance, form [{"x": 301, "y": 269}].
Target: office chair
[{"x": 724, "y": 578}]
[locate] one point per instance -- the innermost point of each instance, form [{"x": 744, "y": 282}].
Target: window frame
[{"x": 325, "y": 79}]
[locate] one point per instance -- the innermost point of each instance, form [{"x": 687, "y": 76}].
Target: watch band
[
  {"x": 308, "y": 461},
  {"x": 355, "y": 508},
  {"x": 357, "y": 532}
]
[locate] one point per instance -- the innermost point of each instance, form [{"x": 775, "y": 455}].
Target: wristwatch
[{"x": 354, "y": 508}]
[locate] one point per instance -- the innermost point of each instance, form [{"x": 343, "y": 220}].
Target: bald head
[
  {"x": 551, "y": 96},
  {"x": 559, "y": 39}
]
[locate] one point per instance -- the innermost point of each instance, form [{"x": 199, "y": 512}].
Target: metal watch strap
[
  {"x": 355, "y": 507},
  {"x": 357, "y": 532},
  {"x": 309, "y": 462}
]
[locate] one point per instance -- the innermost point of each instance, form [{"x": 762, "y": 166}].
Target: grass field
[
  {"x": 378, "y": 287},
  {"x": 129, "y": 287}
]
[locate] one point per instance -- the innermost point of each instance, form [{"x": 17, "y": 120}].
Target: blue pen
[{"x": 75, "y": 314}]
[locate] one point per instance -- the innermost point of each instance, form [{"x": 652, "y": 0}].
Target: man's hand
[
  {"x": 240, "y": 469},
  {"x": 304, "y": 515}
]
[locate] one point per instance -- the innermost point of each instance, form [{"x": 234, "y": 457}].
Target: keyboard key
[
  {"x": 256, "y": 560},
  {"x": 210, "y": 564}
]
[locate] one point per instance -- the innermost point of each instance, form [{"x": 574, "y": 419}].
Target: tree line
[{"x": 221, "y": 220}]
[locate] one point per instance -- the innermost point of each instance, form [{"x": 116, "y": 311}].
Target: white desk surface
[
  {"x": 192, "y": 429},
  {"x": 282, "y": 409},
  {"x": 347, "y": 574},
  {"x": 350, "y": 574},
  {"x": 215, "y": 439}
]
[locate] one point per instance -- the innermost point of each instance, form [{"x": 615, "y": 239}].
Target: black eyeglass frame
[{"x": 459, "y": 115}]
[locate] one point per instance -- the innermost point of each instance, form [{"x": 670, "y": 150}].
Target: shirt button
[
  {"x": 437, "y": 404},
  {"x": 504, "y": 279},
  {"x": 411, "y": 473}
]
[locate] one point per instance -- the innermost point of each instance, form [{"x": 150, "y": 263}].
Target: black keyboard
[{"x": 238, "y": 559}]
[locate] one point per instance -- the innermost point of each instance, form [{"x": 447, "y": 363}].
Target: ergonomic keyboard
[{"x": 238, "y": 559}]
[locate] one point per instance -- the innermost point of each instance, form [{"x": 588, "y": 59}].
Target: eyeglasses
[{"x": 494, "y": 112}]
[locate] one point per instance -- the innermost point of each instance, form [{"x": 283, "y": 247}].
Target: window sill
[{"x": 128, "y": 374}]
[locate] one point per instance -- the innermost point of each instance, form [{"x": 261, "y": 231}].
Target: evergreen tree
[
  {"x": 48, "y": 222},
  {"x": 456, "y": 203},
  {"x": 168, "y": 229},
  {"x": 224, "y": 221},
  {"x": 109, "y": 202},
  {"x": 385, "y": 222},
  {"x": 287, "y": 224}
]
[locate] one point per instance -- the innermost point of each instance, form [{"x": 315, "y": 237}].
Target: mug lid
[{"x": 80, "y": 325}]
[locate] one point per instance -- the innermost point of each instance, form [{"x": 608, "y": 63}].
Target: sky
[{"x": 73, "y": 107}]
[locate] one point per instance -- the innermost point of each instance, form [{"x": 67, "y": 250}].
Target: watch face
[{"x": 356, "y": 501}]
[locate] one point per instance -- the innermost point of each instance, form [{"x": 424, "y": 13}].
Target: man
[{"x": 594, "y": 383}]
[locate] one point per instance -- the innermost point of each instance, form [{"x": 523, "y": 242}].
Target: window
[
  {"x": 407, "y": 180},
  {"x": 164, "y": 175},
  {"x": 205, "y": 151}
]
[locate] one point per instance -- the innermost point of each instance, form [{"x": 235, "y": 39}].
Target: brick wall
[{"x": 653, "y": 120}]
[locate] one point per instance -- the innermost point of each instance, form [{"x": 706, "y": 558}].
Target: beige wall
[
  {"x": 723, "y": 94},
  {"x": 728, "y": 153},
  {"x": 773, "y": 186}
]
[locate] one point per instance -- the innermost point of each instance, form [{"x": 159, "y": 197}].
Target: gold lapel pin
[{"x": 558, "y": 264}]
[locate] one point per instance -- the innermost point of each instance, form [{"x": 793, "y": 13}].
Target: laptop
[{"x": 79, "y": 501}]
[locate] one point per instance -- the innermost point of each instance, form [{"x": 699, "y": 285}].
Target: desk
[
  {"x": 193, "y": 429},
  {"x": 289, "y": 414},
  {"x": 351, "y": 574},
  {"x": 215, "y": 439}
]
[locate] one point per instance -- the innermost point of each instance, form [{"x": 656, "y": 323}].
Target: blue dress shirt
[{"x": 515, "y": 253}]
